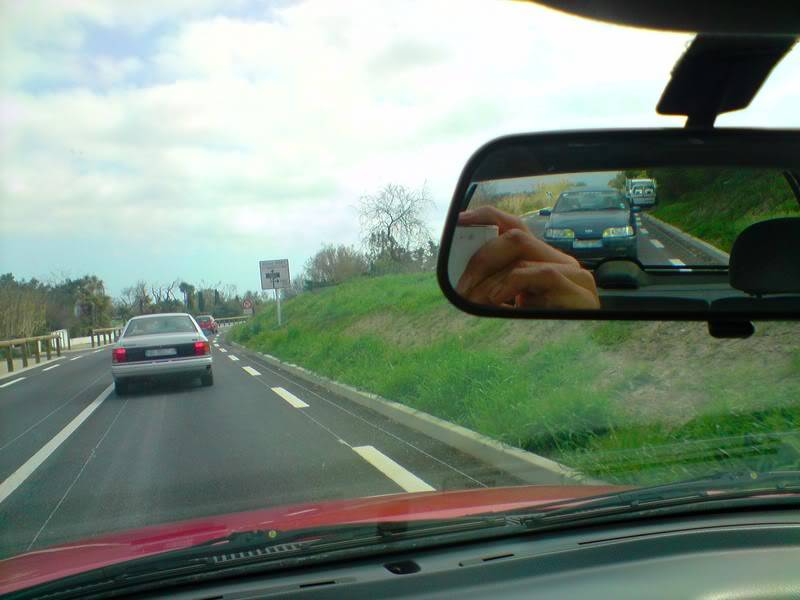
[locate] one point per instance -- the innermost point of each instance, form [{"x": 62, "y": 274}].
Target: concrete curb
[
  {"x": 526, "y": 466},
  {"x": 697, "y": 243}
]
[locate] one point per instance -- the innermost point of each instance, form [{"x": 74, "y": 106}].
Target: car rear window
[
  {"x": 203, "y": 319},
  {"x": 572, "y": 201},
  {"x": 152, "y": 325}
]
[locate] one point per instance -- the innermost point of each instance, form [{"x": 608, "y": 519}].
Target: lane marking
[
  {"x": 98, "y": 350},
  {"x": 232, "y": 357},
  {"x": 657, "y": 244},
  {"x": 48, "y": 368},
  {"x": 643, "y": 230},
  {"x": 223, "y": 350},
  {"x": 76, "y": 358},
  {"x": 400, "y": 475},
  {"x": 289, "y": 397},
  {"x": 677, "y": 262},
  {"x": 19, "y": 476},
  {"x": 52, "y": 412},
  {"x": 251, "y": 370},
  {"x": 369, "y": 423},
  {"x": 12, "y": 382}
]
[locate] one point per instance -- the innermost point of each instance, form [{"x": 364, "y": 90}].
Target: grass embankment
[
  {"x": 616, "y": 400},
  {"x": 716, "y": 205}
]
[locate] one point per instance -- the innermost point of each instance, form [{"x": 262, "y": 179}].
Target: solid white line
[
  {"x": 251, "y": 370},
  {"x": 290, "y": 397},
  {"x": 48, "y": 368},
  {"x": 657, "y": 244},
  {"x": 19, "y": 476},
  {"x": 643, "y": 230},
  {"x": 76, "y": 358},
  {"x": 12, "y": 382},
  {"x": 232, "y": 357},
  {"x": 401, "y": 476}
]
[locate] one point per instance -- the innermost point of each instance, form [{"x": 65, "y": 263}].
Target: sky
[{"x": 190, "y": 139}]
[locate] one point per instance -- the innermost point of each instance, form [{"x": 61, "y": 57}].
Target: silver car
[{"x": 161, "y": 345}]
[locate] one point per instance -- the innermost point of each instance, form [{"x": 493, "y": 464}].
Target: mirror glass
[{"x": 628, "y": 239}]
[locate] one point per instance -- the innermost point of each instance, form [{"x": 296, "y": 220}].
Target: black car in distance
[{"x": 592, "y": 224}]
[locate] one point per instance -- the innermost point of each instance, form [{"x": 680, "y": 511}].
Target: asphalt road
[
  {"x": 76, "y": 460},
  {"x": 657, "y": 246}
]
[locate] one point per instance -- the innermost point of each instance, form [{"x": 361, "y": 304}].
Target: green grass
[
  {"x": 720, "y": 207},
  {"x": 577, "y": 392}
]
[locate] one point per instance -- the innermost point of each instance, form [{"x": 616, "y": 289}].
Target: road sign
[
  {"x": 274, "y": 274},
  {"x": 247, "y": 304}
]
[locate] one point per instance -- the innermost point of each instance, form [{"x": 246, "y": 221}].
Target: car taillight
[
  {"x": 201, "y": 348},
  {"x": 119, "y": 355}
]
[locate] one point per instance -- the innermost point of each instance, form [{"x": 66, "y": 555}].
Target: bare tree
[{"x": 392, "y": 222}]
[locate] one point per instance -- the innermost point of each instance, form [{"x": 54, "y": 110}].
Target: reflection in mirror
[{"x": 635, "y": 239}]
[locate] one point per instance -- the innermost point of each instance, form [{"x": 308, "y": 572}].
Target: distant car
[
  {"x": 168, "y": 345},
  {"x": 207, "y": 323},
  {"x": 592, "y": 224}
]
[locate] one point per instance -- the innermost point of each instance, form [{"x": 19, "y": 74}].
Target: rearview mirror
[{"x": 638, "y": 224}]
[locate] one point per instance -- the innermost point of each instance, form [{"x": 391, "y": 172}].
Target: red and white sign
[{"x": 247, "y": 304}]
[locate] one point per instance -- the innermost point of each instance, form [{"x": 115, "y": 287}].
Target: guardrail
[
  {"x": 226, "y": 321},
  {"x": 109, "y": 335},
  {"x": 23, "y": 343}
]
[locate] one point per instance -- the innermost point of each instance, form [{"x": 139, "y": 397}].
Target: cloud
[{"x": 256, "y": 127}]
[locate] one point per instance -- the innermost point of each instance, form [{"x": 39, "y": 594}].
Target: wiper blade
[{"x": 720, "y": 486}]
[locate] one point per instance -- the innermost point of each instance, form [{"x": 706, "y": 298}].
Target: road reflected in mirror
[{"x": 636, "y": 239}]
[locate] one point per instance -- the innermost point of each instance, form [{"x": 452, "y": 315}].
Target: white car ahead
[{"x": 161, "y": 345}]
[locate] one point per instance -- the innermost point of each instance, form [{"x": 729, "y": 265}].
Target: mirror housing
[{"x": 518, "y": 157}]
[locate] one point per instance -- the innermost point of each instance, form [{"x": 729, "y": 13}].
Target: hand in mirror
[{"x": 519, "y": 270}]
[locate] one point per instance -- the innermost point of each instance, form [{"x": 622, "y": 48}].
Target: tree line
[{"x": 32, "y": 307}]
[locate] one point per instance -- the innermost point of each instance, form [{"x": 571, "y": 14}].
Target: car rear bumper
[{"x": 191, "y": 365}]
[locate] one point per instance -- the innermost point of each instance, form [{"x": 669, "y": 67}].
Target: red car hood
[{"x": 55, "y": 562}]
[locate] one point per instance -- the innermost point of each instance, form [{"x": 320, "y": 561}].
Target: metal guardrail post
[
  {"x": 91, "y": 335},
  {"x": 37, "y": 351},
  {"x": 47, "y": 347},
  {"x": 9, "y": 359},
  {"x": 58, "y": 345},
  {"x": 24, "y": 354}
]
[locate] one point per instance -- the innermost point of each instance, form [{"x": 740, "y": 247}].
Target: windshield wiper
[{"x": 723, "y": 486}]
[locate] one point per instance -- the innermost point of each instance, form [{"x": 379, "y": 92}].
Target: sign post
[{"x": 275, "y": 276}]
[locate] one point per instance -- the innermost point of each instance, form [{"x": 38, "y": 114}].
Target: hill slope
[{"x": 579, "y": 392}]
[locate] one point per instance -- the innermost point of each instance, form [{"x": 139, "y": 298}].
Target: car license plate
[
  {"x": 160, "y": 352},
  {"x": 587, "y": 244}
]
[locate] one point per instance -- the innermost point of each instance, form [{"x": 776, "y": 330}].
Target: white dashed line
[
  {"x": 290, "y": 397},
  {"x": 232, "y": 357},
  {"x": 400, "y": 475},
  {"x": 223, "y": 350},
  {"x": 19, "y": 476},
  {"x": 657, "y": 244},
  {"x": 99, "y": 350},
  {"x": 251, "y": 370},
  {"x": 12, "y": 382},
  {"x": 48, "y": 368},
  {"x": 76, "y": 358}
]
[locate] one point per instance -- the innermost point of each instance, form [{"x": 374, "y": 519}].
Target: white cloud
[{"x": 230, "y": 123}]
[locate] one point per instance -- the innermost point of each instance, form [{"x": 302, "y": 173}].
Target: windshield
[
  {"x": 590, "y": 200},
  {"x": 287, "y": 167},
  {"x": 153, "y": 325}
]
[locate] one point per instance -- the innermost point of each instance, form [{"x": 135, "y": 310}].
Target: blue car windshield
[{"x": 579, "y": 201}]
